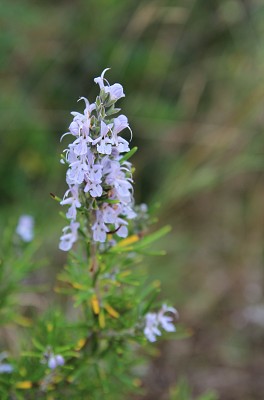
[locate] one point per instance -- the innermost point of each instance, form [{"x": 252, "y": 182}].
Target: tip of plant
[
  {"x": 166, "y": 229},
  {"x": 54, "y": 197}
]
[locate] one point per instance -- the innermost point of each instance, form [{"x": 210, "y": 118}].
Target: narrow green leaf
[
  {"x": 54, "y": 197},
  {"x": 110, "y": 201},
  {"x": 128, "y": 155},
  {"x": 38, "y": 345},
  {"x": 152, "y": 253},
  {"x": 30, "y": 354},
  {"x": 142, "y": 243},
  {"x": 147, "y": 240}
]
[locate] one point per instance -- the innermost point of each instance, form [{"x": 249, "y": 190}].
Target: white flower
[
  {"x": 80, "y": 146},
  {"x": 109, "y": 213},
  {"x": 93, "y": 180},
  {"x": 73, "y": 201},
  {"x": 166, "y": 321},
  {"x": 99, "y": 228},
  {"x": 25, "y": 228},
  {"x": 69, "y": 236},
  {"x": 115, "y": 91},
  {"x": 116, "y": 177},
  {"x": 151, "y": 328},
  {"x": 155, "y": 321},
  {"x": 89, "y": 107},
  {"x": 5, "y": 368},
  {"x": 122, "y": 231},
  {"x": 104, "y": 147},
  {"x": 55, "y": 361}
]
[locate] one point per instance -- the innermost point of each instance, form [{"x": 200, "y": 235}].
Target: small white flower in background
[
  {"x": 55, "y": 361},
  {"x": 155, "y": 321},
  {"x": 166, "y": 321},
  {"x": 254, "y": 314},
  {"x": 25, "y": 228},
  {"x": 5, "y": 368}
]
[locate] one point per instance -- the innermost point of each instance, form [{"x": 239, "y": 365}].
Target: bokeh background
[{"x": 192, "y": 71}]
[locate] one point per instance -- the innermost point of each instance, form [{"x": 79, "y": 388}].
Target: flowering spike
[{"x": 98, "y": 179}]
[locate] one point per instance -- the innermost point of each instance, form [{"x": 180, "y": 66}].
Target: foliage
[
  {"x": 194, "y": 72},
  {"x": 99, "y": 342},
  {"x": 103, "y": 275}
]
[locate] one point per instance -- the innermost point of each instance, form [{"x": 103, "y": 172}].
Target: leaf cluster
[{"x": 109, "y": 294}]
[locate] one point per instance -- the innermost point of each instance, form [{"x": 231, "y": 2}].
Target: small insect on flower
[{"x": 25, "y": 228}]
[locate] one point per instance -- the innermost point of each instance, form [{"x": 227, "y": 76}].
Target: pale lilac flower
[
  {"x": 127, "y": 211},
  {"x": 25, "y": 228},
  {"x": 109, "y": 213},
  {"x": 73, "y": 201},
  {"x": 151, "y": 327},
  {"x": 116, "y": 177},
  {"x": 100, "y": 80},
  {"x": 155, "y": 321},
  {"x": 74, "y": 128},
  {"x": 123, "y": 145},
  {"x": 166, "y": 321},
  {"x": 69, "y": 236},
  {"x": 253, "y": 314},
  {"x": 81, "y": 122},
  {"x": 122, "y": 231},
  {"x": 88, "y": 107},
  {"x": 55, "y": 361},
  {"x": 104, "y": 147},
  {"x": 115, "y": 91},
  {"x": 120, "y": 123},
  {"x": 78, "y": 168},
  {"x": 93, "y": 180},
  {"x": 143, "y": 208},
  {"x": 80, "y": 146},
  {"x": 5, "y": 368},
  {"x": 104, "y": 128},
  {"x": 99, "y": 228}
]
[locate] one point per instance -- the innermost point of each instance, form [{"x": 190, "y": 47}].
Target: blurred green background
[{"x": 192, "y": 72}]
